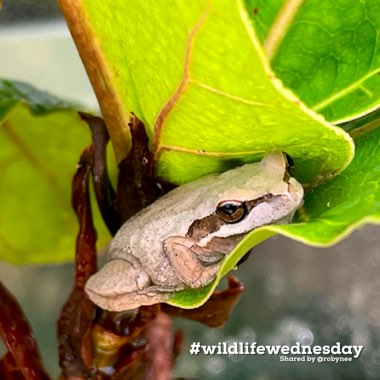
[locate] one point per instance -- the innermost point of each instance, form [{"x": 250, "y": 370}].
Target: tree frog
[{"x": 181, "y": 240}]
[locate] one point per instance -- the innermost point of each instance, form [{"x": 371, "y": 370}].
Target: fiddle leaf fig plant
[{"x": 217, "y": 83}]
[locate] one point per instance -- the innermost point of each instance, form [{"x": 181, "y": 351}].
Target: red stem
[{"x": 23, "y": 360}]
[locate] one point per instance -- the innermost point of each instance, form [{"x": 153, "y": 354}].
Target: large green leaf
[
  {"x": 330, "y": 213},
  {"x": 195, "y": 73},
  {"x": 327, "y": 52},
  {"x": 41, "y": 138}
]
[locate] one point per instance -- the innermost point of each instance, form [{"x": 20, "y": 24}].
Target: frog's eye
[{"x": 231, "y": 211}]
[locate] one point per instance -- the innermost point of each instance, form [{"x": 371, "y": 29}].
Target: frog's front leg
[
  {"x": 116, "y": 286},
  {"x": 194, "y": 265}
]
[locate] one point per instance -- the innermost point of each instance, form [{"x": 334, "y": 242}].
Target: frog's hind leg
[
  {"x": 195, "y": 266},
  {"x": 116, "y": 285}
]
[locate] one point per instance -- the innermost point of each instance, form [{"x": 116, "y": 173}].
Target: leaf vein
[
  {"x": 280, "y": 26},
  {"x": 227, "y": 95},
  {"x": 340, "y": 94},
  {"x": 166, "y": 109}
]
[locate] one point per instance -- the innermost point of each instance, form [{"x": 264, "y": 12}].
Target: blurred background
[
  {"x": 36, "y": 47},
  {"x": 294, "y": 293}
]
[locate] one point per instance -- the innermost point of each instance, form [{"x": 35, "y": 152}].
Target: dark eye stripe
[
  {"x": 251, "y": 204},
  {"x": 200, "y": 228}
]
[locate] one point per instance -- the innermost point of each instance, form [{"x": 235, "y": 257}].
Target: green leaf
[
  {"x": 195, "y": 73},
  {"x": 327, "y": 52},
  {"x": 41, "y": 139},
  {"x": 39, "y": 102},
  {"x": 330, "y": 213}
]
